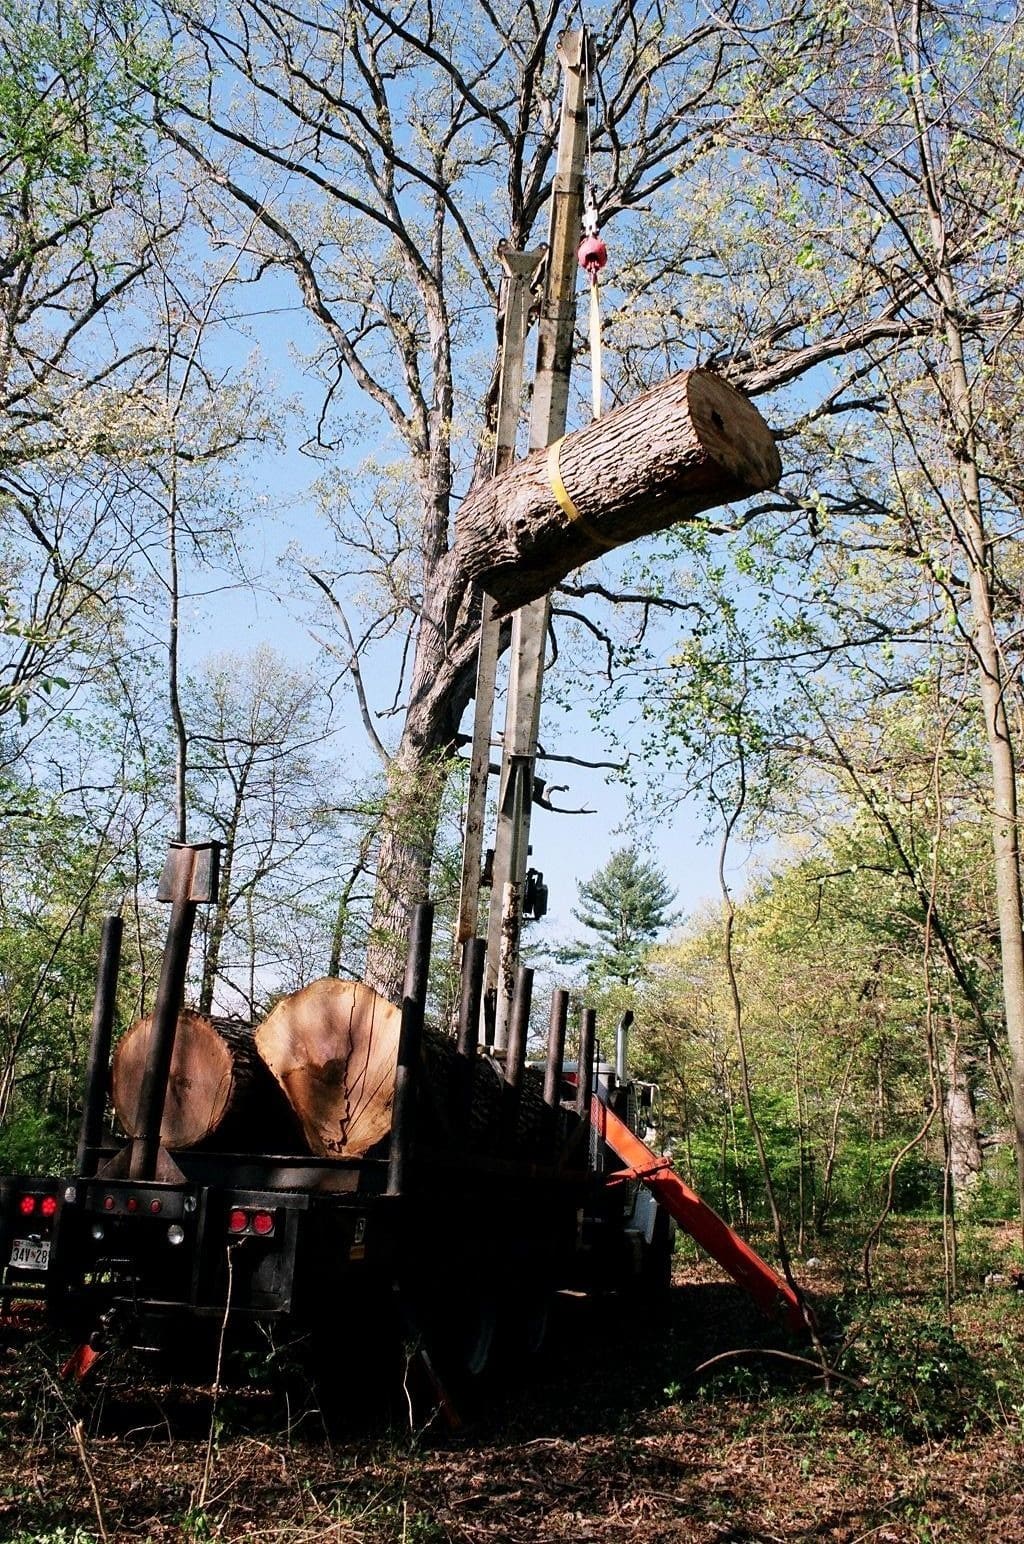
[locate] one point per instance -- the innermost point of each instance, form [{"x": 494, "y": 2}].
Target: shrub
[{"x": 917, "y": 1379}]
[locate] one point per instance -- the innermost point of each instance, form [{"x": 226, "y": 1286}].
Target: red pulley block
[{"x": 593, "y": 255}]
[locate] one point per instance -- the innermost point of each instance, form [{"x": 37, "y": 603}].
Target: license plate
[{"x": 27, "y": 1255}]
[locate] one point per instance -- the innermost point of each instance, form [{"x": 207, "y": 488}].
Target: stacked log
[
  {"x": 219, "y": 1092},
  {"x": 318, "y": 1076},
  {"x": 333, "y": 1048}
]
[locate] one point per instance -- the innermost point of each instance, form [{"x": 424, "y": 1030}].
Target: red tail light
[
  {"x": 238, "y": 1221},
  {"x": 156, "y": 1206},
  {"x": 48, "y": 1205},
  {"x": 27, "y": 1205},
  {"x": 132, "y": 1204},
  {"x": 263, "y": 1223},
  {"x": 108, "y": 1203}
]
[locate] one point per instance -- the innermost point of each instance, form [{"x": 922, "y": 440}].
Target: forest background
[{"x": 249, "y": 317}]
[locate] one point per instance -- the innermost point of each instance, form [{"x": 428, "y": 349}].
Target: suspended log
[
  {"x": 218, "y": 1088},
  {"x": 333, "y": 1048},
  {"x": 691, "y": 444}
]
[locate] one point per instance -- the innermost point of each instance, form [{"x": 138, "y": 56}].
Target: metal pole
[
  {"x": 521, "y": 270},
  {"x": 169, "y": 993},
  {"x": 556, "y": 1048},
  {"x": 469, "y": 1029},
  {"x": 585, "y": 1077},
  {"x": 414, "y": 1002},
  {"x": 530, "y": 624},
  {"x": 519, "y": 1028},
  {"x": 515, "y": 1054},
  {"x": 622, "y": 1045},
  {"x": 95, "y": 1094},
  {"x": 189, "y": 876},
  {"x": 473, "y": 951}
]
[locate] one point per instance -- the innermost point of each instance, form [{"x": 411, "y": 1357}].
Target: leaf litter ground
[{"x": 613, "y": 1439}]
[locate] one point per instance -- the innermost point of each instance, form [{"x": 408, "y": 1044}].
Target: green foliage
[
  {"x": 862, "y": 1174},
  {"x": 995, "y": 1195},
  {"x": 59, "y": 1535},
  {"x": 56, "y": 882},
  {"x": 32, "y": 1141},
  {"x": 917, "y": 1379},
  {"x": 627, "y": 903},
  {"x": 837, "y": 1015}
]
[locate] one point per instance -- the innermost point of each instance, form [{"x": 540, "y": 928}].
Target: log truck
[{"x": 464, "y": 1189}]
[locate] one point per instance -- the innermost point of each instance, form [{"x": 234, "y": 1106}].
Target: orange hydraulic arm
[{"x": 769, "y": 1291}]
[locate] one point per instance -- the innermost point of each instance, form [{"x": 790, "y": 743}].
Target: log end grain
[
  {"x": 732, "y": 432},
  {"x": 333, "y": 1048},
  {"x": 199, "y": 1086}
]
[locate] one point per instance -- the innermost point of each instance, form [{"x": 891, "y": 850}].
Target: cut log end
[
  {"x": 732, "y": 432},
  {"x": 332, "y": 1048},
  {"x": 199, "y": 1086}
]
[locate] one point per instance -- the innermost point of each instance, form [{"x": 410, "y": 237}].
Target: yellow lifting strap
[{"x": 564, "y": 501}]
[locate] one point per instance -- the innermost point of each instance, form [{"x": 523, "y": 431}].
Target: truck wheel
[
  {"x": 459, "y": 1336},
  {"x": 476, "y": 1340},
  {"x": 536, "y": 1324}
]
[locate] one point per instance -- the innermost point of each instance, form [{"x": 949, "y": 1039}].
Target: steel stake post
[
  {"x": 95, "y": 1093},
  {"x": 414, "y": 1003}
]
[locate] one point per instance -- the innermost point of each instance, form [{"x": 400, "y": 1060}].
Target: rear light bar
[
  {"x": 130, "y": 1203},
  {"x": 248, "y": 1222},
  {"x": 46, "y": 1206}
]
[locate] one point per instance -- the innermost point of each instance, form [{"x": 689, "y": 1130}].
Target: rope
[{"x": 595, "y": 346}]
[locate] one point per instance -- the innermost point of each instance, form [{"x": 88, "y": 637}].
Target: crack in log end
[
  {"x": 732, "y": 431},
  {"x": 332, "y": 1046}
]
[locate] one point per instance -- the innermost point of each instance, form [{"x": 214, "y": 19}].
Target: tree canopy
[{"x": 821, "y": 208}]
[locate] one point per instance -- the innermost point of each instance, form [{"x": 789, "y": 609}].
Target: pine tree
[{"x": 626, "y": 903}]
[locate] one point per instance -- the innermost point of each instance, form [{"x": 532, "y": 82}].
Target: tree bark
[
  {"x": 965, "y": 1157},
  {"x": 690, "y": 445}
]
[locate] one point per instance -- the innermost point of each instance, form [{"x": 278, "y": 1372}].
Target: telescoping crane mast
[{"x": 555, "y": 328}]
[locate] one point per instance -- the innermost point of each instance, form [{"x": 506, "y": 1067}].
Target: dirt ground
[{"x": 616, "y": 1437}]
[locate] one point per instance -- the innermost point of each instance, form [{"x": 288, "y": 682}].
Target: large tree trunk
[
  {"x": 689, "y": 445},
  {"x": 972, "y": 538},
  {"x": 965, "y": 1157},
  {"x": 1004, "y": 805}
]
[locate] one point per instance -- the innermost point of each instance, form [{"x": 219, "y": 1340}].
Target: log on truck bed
[
  {"x": 333, "y": 1047},
  {"x": 219, "y": 1093}
]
